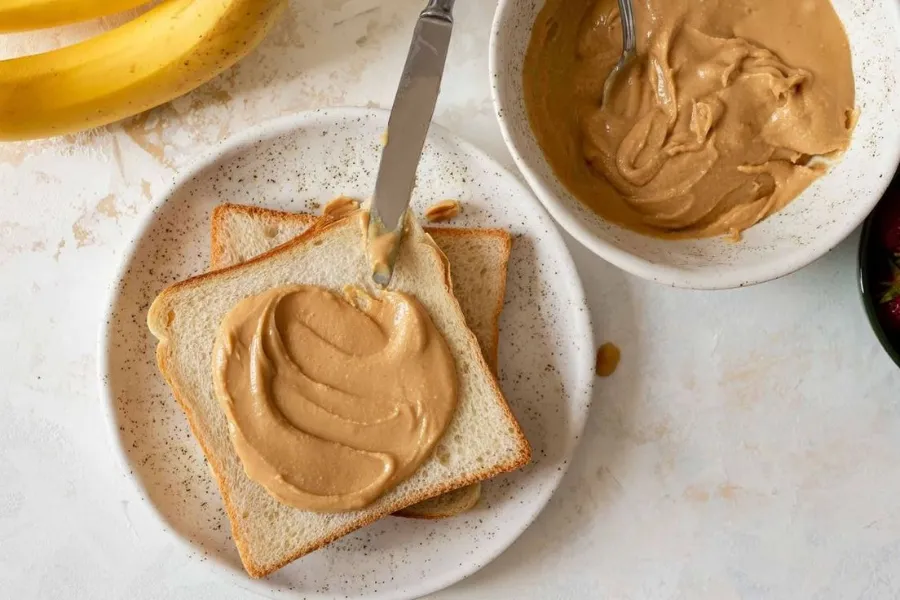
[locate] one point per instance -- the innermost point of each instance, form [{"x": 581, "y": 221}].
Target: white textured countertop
[{"x": 748, "y": 446}]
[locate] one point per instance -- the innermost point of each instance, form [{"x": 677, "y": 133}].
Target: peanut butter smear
[
  {"x": 340, "y": 207},
  {"x": 332, "y": 402},
  {"x": 719, "y": 121}
]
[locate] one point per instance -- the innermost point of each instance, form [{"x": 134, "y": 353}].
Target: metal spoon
[{"x": 629, "y": 47}]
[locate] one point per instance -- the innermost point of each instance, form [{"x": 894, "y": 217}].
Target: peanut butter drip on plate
[{"x": 722, "y": 120}]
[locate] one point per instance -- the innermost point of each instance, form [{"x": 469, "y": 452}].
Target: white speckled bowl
[{"x": 808, "y": 228}]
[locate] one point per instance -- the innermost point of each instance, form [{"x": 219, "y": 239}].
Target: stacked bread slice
[{"x": 459, "y": 275}]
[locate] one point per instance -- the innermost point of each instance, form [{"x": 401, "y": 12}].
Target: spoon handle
[{"x": 626, "y": 12}]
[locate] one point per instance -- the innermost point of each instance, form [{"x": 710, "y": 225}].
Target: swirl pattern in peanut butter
[
  {"x": 721, "y": 120},
  {"x": 332, "y": 401}
]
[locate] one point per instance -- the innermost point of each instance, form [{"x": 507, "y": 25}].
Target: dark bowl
[{"x": 873, "y": 263}]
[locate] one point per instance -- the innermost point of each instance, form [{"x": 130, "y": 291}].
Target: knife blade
[{"x": 411, "y": 115}]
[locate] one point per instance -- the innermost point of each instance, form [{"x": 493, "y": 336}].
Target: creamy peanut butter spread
[
  {"x": 444, "y": 210},
  {"x": 340, "y": 207},
  {"x": 331, "y": 402},
  {"x": 717, "y": 124},
  {"x": 382, "y": 245}
]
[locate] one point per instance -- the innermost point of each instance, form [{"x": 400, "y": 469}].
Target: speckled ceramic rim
[
  {"x": 667, "y": 275},
  {"x": 867, "y": 294},
  {"x": 279, "y": 127}
]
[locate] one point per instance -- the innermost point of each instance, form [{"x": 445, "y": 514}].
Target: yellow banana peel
[
  {"x": 25, "y": 15},
  {"x": 162, "y": 54}
]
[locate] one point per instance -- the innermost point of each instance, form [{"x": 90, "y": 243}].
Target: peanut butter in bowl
[{"x": 730, "y": 111}]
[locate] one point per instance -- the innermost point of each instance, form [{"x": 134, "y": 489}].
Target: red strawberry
[
  {"x": 890, "y": 314},
  {"x": 889, "y": 308},
  {"x": 890, "y": 227}
]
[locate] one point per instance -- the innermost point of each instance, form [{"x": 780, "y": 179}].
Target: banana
[
  {"x": 25, "y": 15},
  {"x": 162, "y": 54}
]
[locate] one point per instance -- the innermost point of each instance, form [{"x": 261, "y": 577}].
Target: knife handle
[{"x": 439, "y": 9}]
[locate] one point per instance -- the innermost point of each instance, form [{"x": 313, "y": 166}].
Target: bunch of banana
[
  {"x": 162, "y": 54},
  {"x": 25, "y": 15}
]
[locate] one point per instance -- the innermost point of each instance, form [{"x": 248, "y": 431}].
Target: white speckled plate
[{"x": 546, "y": 351}]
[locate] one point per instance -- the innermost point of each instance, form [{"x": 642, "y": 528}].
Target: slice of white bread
[
  {"x": 483, "y": 439},
  {"x": 478, "y": 263}
]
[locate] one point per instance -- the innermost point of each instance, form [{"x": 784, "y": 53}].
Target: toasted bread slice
[
  {"x": 478, "y": 262},
  {"x": 482, "y": 440}
]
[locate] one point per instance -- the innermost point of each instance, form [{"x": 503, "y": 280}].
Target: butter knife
[{"x": 410, "y": 117}]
